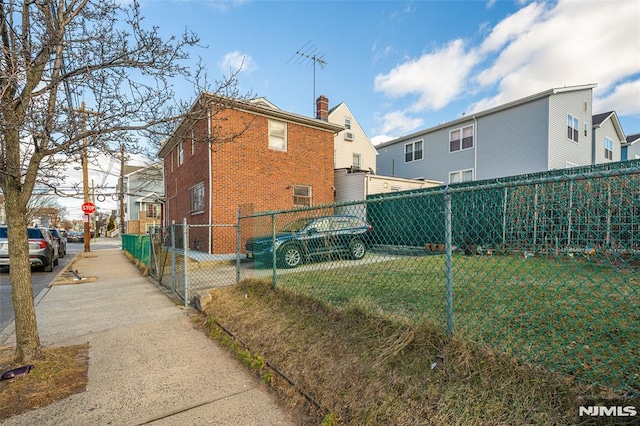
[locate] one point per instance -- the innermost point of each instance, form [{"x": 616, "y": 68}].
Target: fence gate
[{"x": 187, "y": 258}]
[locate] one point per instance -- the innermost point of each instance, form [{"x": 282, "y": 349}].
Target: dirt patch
[
  {"x": 344, "y": 366},
  {"x": 62, "y": 372}
]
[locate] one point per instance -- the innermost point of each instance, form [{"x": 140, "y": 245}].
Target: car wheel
[
  {"x": 55, "y": 262},
  {"x": 63, "y": 252},
  {"x": 290, "y": 256},
  {"x": 48, "y": 267},
  {"x": 357, "y": 249}
]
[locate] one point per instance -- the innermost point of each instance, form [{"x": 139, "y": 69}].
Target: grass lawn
[{"x": 572, "y": 316}]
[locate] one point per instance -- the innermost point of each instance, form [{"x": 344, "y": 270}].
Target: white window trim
[
  {"x": 180, "y": 153},
  {"x": 413, "y": 151},
  {"x": 606, "y": 150},
  {"x": 193, "y": 210},
  {"x": 576, "y": 129},
  {"x": 347, "y": 123},
  {"x": 461, "y": 173},
  {"x": 310, "y": 196},
  {"x": 193, "y": 142},
  {"x": 285, "y": 136},
  {"x": 461, "y": 129},
  {"x": 353, "y": 156}
]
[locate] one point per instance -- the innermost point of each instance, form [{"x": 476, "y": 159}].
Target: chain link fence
[
  {"x": 181, "y": 262},
  {"x": 544, "y": 267}
]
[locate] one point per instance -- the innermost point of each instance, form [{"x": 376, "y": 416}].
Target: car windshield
[{"x": 296, "y": 225}]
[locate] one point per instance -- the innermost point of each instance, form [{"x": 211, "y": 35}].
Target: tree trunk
[{"x": 27, "y": 338}]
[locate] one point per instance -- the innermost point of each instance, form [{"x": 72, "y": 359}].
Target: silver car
[{"x": 43, "y": 249}]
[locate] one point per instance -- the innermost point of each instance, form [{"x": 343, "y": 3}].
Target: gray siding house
[
  {"x": 631, "y": 148},
  {"x": 144, "y": 197},
  {"x": 608, "y": 138},
  {"x": 545, "y": 131}
]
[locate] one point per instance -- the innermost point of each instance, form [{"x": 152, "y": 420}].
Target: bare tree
[{"x": 57, "y": 56}]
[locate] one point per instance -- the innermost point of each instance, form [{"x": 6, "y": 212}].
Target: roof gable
[
  {"x": 598, "y": 119},
  {"x": 508, "y": 105},
  {"x": 257, "y": 106}
]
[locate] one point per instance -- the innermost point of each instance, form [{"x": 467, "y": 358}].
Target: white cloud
[
  {"x": 234, "y": 61},
  {"x": 511, "y": 27},
  {"x": 436, "y": 78},
  {"x": 541, "y": 46},
  {"x": 624, "y": 99},
  {"x": 377, "y": 140},
  {"x": 399, "y": 122},
  {"x": 564, "y": 46}
]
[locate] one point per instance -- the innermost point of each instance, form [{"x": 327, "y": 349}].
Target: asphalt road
[{"x": 40, "y": 280}]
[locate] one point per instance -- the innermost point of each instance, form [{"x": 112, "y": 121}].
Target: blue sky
[{"x": 402, "y": 66}]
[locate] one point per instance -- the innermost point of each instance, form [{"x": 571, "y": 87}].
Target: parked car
[
  {"x": 43, "y": 249},
  {"x": 306, "y": 238},
  {"x": 75, "y": 237},
  {"x": 61, "y": 239}
]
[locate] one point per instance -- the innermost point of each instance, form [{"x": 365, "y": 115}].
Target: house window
[
  {"x": 347, "y": 123},
  {"x": 413, "y": 151},
  {"x": 461, "y": 176},
  {"x": 197, "y": 198},
  {"x": 153, "y": 210},
  {"x": 180, "y": 153},
  {"x": 301, "y": 196},
  {"x": 356, "y": 160},
  {"x": 572, "y": 128},
  {"x": 585, "y": 130},
  {"x": 460, "y": 139},
  {"x": 193, "y": 142},
  {"x": 277, "y": 135},
  {"x": 608, "y": 148}
]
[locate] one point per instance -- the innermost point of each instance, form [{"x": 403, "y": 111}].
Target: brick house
[{"x": 229, "y": 154}]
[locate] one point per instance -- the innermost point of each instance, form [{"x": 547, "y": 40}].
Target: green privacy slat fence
[
  {"x": 138, "y": 246},
  {"x": 544, "y": 267}
]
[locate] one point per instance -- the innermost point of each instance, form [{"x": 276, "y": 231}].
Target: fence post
[
  {"x": 173, "y": 256},
  {"x": 238, "y": 247},
  {"x": 185, "y": 244},
  {"x": 449, "y": 260},
  {"x": 274, "y": 257}
]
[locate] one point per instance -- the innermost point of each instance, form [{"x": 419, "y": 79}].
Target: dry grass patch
[
  {"x": 62, "y": 372},
  {"x": 344, "y": 366}
]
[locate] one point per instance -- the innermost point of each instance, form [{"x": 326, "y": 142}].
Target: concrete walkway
[{"x": 148, "y": 365}]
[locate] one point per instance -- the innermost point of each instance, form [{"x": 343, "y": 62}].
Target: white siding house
[
  {"x": 352, "y": 147},
  {"x": 544, "y": 131},
  {"x": 631, "y": 148},
  {"x": 144, "y": 197},
  {"x": 608, "y": 138}
]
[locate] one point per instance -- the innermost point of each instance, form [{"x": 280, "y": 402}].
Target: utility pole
[
  {"x": 121, "y": 189},
  {"x": 85, "y": 181},
  {"x": 85, "y": 176}
]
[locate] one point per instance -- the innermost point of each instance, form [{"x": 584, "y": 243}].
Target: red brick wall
[{"x": 245, "y": 171}]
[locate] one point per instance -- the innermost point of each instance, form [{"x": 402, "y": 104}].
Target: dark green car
[{"x": 308, "y": 238}]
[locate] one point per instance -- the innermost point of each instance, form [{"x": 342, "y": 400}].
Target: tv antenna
[{"x": 304, "y": 55}]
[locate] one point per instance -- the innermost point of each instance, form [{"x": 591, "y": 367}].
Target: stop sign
[{"x": 88, "y": 208}]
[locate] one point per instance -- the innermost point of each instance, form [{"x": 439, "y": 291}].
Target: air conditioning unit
[{"x": 348, "y": 136}]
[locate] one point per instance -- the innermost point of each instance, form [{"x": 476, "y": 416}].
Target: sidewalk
[{"x": 147, "y": 365}]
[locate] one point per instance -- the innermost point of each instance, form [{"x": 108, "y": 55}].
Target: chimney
[{"x": 322, "y": 108}]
